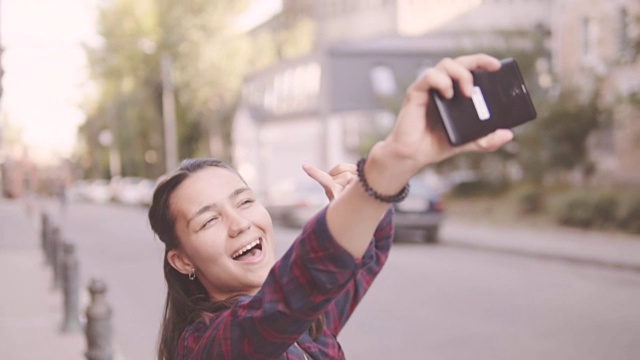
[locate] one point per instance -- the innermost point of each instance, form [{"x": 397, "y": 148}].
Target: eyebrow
[{"x": 210, "y": 207}]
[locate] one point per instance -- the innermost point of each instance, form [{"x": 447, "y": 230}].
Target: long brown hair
[{"x": 187, "y": 300}]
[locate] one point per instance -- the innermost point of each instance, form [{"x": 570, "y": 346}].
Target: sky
[{"x": 46, "y": 71}]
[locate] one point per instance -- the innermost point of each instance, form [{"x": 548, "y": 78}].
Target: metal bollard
[
  {"x": 57, "y": 252},
  {"x": 52, "y": 232},
  {"x": 70, "y": 289},
  {"x": 98, "y": 328},
  {"x": 44, "y": 234}
]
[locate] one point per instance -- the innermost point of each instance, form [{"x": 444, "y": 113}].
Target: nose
[{"x": 237, "y": 224}]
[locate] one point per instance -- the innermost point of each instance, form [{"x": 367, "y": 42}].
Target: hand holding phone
[{"x": 500, "y": 100}]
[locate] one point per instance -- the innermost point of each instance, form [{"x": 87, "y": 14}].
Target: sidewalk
[
  {"x": 597, "y": 248},
  {"x": 31, "y": 311}
]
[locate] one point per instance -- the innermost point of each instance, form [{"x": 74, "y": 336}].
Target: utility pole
[
  {"x": 169, "y": 114},
  {"x": 115, "y": 162}
]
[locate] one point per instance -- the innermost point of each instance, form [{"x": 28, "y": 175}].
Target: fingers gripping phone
[{"x": 500, "y": 100}]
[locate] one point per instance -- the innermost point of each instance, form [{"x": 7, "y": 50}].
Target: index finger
[
  {"x": 475, "y": 62},
  {"x": 440, "y": 76},
  {"x": 318, "y": 175},
  {"x": 479, "y": 61}
]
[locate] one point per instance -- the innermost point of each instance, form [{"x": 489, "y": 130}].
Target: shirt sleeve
[
  {"x": 369, "y": 267},
  {"x": 301, "y": 286}
]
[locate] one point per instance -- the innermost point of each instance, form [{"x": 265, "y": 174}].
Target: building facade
[
  {"x": 326, "y": 106},
  {"x": 595, "y": 46}
]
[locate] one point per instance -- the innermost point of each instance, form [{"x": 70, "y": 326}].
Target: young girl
[{"x": 228, "y": 297}]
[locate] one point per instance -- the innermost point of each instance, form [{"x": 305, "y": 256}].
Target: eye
[
  {"x": 208, "y": 221},
  {"x": 246, "y": 202}
]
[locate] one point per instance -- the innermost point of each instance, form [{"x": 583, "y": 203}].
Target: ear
[{"x": 180, "y": 261}]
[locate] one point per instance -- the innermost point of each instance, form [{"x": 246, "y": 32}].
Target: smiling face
[{"x": 225, "y": 234}]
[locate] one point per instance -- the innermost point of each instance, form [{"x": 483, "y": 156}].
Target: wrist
[
  {"x": 372, "y": 192},
  {"x": 390, "y": 165}
]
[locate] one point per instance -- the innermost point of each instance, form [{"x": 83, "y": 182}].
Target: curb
[
  {"x": 577, "y": 260},
  {"x": 615, "y": 251}
]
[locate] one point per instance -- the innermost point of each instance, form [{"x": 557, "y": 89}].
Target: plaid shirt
[{"x": 315, "y": 277}]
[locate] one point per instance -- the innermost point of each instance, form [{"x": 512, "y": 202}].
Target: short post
[
  {"x": 98, "y": 328},
  {"x": 57, "y": 251},
  {"x": 44, "y": 233},
  {"x": 70, "y": 289},
  {"x": 51, "y": 234}
]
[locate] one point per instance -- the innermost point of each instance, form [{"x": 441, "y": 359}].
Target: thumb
[{"x": 491, "y": 142}]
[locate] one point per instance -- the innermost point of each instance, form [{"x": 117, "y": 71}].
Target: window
[{"x": 383, "y": 81}]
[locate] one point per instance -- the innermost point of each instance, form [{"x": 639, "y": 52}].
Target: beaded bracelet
[{"x": 376, "y": 195}]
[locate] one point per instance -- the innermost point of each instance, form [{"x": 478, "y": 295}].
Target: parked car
[
  {"x": 131, "y": 190},
  {"x": 309, "y": 200},
  {"x": 97, "y": 191},
  {"x": 419, "y": 216}
]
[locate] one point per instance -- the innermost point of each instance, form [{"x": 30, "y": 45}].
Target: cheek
[
  {"x": 262, "y": 219},
  {"x": 205, "y": 245},
  {"x": 265, "y": 222},
  {"x": 209, "y": 255}
]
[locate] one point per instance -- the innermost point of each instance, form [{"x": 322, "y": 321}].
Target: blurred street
[
  {"x": 131, "y": 87},
  {"x": 446, "y": 301}
]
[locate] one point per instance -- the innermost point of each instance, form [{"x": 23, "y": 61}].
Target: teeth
[{"x": 245, "y": 249}]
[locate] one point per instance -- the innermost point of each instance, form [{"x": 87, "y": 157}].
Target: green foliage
[
  {"x": 480, "y": 187},
  {"x": 557, "y": 141},
  {"x": 565, "y": 130},
  {"x": 600, "y": 209},
  {"x": 629, "y": 213},
  {"x": 530, "y": 198},
  {"x": 605, "y": 210},
  {"x": 210, "y": 60},
  {"x": 209, "y": 63},
  {"x": 574, "y": 211}
]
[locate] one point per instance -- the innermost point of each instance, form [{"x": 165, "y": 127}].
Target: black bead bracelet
[{"x": 376, "y": 195}]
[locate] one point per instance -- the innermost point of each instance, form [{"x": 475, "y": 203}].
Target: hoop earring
[{"x": 192, "y": 274}]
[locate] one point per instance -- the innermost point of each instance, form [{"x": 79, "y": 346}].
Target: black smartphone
[{"x": 500, "y": 100}]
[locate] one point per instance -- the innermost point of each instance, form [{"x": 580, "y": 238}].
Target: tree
[
  {"x": 209, "y": 63},
  {"x": 127, "y": 99}
]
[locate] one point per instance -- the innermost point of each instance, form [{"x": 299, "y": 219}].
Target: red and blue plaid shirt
[{"x": 315, "y": 277}]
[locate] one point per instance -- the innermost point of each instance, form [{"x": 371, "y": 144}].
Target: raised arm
[
  {"x": 416, "y": 141},
  {"x": 338, "y": 313}
]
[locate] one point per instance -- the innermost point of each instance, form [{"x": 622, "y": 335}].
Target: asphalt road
[{"x": 430, "y": 301}]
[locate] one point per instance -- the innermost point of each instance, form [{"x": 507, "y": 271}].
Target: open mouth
[{"x": 249, "y": 251}]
